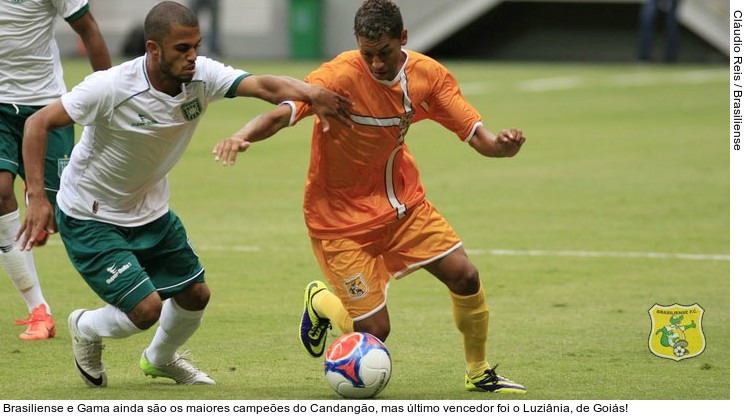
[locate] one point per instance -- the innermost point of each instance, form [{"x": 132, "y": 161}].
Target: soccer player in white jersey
[
  {"x": 112, "y": 208},
  {"x": 30, "y": 78}
]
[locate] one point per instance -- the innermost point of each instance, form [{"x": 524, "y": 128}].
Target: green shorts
[
  {"x": 123, "y": 265},
  {"x": 59, "y": 146}
]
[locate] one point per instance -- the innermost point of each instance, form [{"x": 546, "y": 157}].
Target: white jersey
[
  {"x": 133, "y": 135},
  {"x": 30, "y": 68}
]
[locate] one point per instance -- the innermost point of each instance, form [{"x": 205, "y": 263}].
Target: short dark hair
[
  {"x": 377, "y": 18},
  {"x": 163, "y": 15}
]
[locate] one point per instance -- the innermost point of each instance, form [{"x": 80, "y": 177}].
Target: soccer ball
[
  {"x": 680, "y": 349},
  {"x": 358, "y": 365}
]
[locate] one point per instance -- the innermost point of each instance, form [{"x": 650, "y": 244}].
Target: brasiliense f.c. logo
[
  {"x": 191, "y": 110},
  {"x": 676, "y": 331}
]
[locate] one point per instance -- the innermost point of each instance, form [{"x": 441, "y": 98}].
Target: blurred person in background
[
  {"x": 30, "y": 78},
  {"x": 214, "y": 41},
  {"x": 648, "y": 14}
]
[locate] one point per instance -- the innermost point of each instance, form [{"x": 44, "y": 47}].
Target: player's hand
[
  {"x": 509, "y": 142},
  {"x": 226, "y": 151},
  {"x": 328, "y": 104},
  {"x": 38, "y": 222}
]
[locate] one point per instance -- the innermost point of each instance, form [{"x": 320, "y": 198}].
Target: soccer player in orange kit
[{"x": 364, "y": 206}]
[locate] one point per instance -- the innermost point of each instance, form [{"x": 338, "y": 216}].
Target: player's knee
[
  {"x": 195, "y": 297},
  {"x": 201, "y": 299},
  {"x": 8, "y": 203},
  {"x": 146, "y": 313},
  {"x": 381, "y": 330},
  {"x": 467, "y": 282}
]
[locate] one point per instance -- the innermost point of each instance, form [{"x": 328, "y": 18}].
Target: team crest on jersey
[
  {"x": 676, "y": 331},
  {"x": 405, "y": 123},
  {"x": 61, "y": 164},
  {"x": 356, "y": 287},
  {"x": 405, "y": 119},
  {"x": 191, "y": 110}
]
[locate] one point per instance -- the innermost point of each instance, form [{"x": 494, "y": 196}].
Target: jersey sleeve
[
  {"x": 450, "y": 108},
  {"x": 222, "y": 80},
  {"x": 91, "y": 99},
  {"x": 71, "y": 10},
  {"x": 322, "y": 76}
]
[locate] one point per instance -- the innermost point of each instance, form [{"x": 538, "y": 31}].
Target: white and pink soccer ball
[{"x": 358, "y": 365}]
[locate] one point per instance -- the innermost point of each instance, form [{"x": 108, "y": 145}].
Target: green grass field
[{"x": 625, "y": 168}]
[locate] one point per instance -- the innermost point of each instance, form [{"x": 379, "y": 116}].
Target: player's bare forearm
[
  {"x": 34, "y": 149},
  {"x": 275, "y": 89},
  {"x": 506, "y": 143},
  {"x": 265, "y": 125},
  {"x": 257, "y": 129}
]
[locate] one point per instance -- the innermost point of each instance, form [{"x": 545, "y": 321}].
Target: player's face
[
  {"x": 177, "y": 59},
  {"x": 384, "y": 56}
]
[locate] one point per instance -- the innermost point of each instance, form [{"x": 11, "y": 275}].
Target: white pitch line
[
  {"x": 537, "y": 253},
  {"x": 550, "y": 84},
  {"x": 599, "y": 254},
  {"x": 503, "y": 252},
  {"x": 631, "y": 79},
  {"x": 231, "y": 248}
]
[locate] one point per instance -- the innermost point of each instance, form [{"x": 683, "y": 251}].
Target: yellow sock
[
  {"x": 328, "y": 305},
  {"x": 471, "y": 318}
]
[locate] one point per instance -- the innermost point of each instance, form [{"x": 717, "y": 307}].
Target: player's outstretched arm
[
  {"x": 507, "y": 143},
  {"x": 276, "y": 89},
  {"x": 258, "y": 129}
]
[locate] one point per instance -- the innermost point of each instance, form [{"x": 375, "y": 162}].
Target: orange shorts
[{"x": 359, "y": 268}]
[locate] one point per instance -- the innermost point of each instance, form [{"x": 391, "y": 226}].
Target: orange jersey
[{"x": 363, "y": 178}]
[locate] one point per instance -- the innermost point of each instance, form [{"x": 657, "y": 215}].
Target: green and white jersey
[
  {"x": 133, "y": 135},
  {"x": 30, "y": 69}
]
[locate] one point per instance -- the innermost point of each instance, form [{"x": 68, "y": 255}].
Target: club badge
[{"x": 676, "y": 331}]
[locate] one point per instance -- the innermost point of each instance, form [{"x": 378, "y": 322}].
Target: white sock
[
  {"x": 106, "y": 322},
  {"x": 177, "y": 325},
  {"x": 19, "y": 264}
]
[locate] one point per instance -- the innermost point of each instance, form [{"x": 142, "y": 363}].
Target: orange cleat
[
  {"x": 41, "y": 239},
  {"x": 40, "y": 325}
]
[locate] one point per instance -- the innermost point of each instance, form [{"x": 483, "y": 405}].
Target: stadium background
[{"x": 548, "y": 30}]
